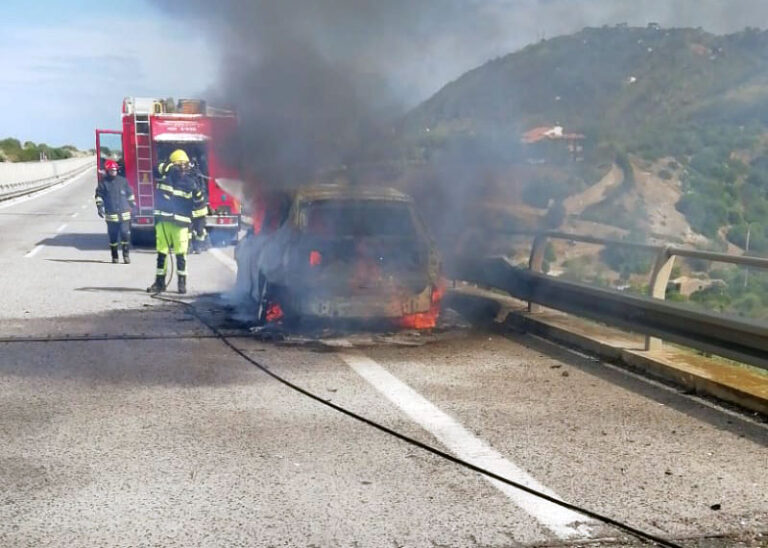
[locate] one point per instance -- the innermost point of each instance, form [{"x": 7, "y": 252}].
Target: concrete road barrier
[{"x": 19, "y": 178}]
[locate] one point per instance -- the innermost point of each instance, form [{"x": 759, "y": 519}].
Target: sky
[
  {"x": 66, "y": 66},
  {"x": 65, "y": 71}
]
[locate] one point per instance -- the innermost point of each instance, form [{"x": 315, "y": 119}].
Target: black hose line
[
  {"x": 169, "y": 257},
  {"x": 642, "y": 535}
]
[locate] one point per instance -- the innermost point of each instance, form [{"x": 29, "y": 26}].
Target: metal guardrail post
[
  {"x": 536, "y": 263},
  {"x": 662, "y": 270}
]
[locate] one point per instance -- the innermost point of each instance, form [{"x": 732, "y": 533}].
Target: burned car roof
[{"x": 344, "y": 192}]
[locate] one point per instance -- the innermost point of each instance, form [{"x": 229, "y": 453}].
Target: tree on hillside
[
  {"x": 622, "y": 160},
  {"x": 628, "y": 260}
]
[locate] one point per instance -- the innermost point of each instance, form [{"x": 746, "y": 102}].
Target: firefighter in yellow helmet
[
  {"x": 198, "y": 234},
  {"x": 176, "y": 196}
]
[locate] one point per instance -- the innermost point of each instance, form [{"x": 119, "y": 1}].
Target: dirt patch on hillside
[
  {"x": 660, "y": 196},
  {"x": 576, "y": 204}
]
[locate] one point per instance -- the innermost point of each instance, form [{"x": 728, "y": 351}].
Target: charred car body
[{"x": 342, "y": 253}]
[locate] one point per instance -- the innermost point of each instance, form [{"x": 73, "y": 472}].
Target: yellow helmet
[{"x": 178, "y": 156}]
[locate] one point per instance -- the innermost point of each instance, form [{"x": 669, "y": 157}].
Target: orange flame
[
  {"x": 422, "y": 320},
  {"x": 274, "y": 312},
  {"x": 315, "y": 258},
  {"x": 426, "y": 320}
]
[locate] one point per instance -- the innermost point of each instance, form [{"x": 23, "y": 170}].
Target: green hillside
[
  {"x": 618, "y": 81},
  {"x": 696, "y": 99}
]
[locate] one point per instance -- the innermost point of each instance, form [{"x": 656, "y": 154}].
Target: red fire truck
[{"x": 152, "y": 129}]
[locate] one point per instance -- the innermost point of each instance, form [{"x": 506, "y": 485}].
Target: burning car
[{"x": 335, "y": 252}]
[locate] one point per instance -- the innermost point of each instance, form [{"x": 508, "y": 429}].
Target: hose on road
[{"x": 635, "y": 532}]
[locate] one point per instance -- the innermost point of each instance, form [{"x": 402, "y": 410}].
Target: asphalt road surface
[{"x": 136, "y": 427}]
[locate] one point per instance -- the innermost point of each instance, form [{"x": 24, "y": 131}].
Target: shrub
[
  {"x": 628, "y": 260},
  {"x": 704, "y": 214},
  {"x": 13, "y": 151},
  {"x": 622, "y": 160}
]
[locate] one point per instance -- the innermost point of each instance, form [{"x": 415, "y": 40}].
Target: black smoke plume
[{"x": 309, "y": 79}]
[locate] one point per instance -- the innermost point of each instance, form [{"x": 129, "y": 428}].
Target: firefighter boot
[
  {"x": 158, "y": 286},
  {"x": 126, "y": 254},
  {"x": 182, "y": 284},
  {"x": 113, "y": 250}
]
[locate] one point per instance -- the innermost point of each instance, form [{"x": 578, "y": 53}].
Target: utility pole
[{"x": 746, "y": 252}]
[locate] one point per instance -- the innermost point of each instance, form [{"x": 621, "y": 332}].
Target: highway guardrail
[
  {"x": 728, "y": 336},
  {"x": 20, "y": 178}
]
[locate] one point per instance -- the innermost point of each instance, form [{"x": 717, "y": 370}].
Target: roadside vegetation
[
  {"x": 742, "y": 293},
  {"x": 13, "y": 150}
]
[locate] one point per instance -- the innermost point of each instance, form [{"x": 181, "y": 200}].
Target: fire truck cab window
[
  {"x": 111, "y": 148},
  {"x": 197, "y": 153}
]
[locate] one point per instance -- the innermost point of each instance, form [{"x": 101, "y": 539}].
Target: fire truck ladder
[{"x": 144, "y": 174}]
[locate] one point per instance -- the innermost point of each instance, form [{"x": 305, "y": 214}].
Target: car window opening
[{"x": 358, "y": 219}]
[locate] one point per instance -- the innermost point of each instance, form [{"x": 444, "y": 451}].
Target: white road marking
[
  {"x": 59, "y": 186},
  {"x": 75, "y": 214},
  {"x": 35, "y": 250},
  {"x": 225, "y": 259},
  {"x": 84, "y": 206},
  {"x": 562, "y": 522},
  {"x": 38, "y": 247}
]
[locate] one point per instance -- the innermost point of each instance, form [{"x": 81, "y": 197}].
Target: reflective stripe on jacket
[
  {"x": 117, "y": 217},
  {"x": 116, "y": 197},
  {"x": 176, "y": 197},
  {"x": 200, "y": 212}
]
